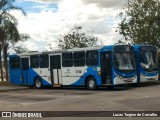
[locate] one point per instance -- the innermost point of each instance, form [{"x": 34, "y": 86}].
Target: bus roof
[
  {"x": 102, "y": 48},
  {"x": 60, "y": 51}
]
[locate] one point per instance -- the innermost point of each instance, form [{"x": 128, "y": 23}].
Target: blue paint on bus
[
  {"x": 110, "y": 70},
  {"x": 148, "y": 72}
]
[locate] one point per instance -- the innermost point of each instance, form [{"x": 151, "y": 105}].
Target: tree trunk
[
  {"x": 6, "y": 61},
  {"x": 1, "y": 63}
]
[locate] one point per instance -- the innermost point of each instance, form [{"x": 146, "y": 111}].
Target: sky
[{"x": 46, "y": 20}]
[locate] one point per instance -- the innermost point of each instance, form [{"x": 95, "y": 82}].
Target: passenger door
[
  {"x": 25, "y": 70},
  {"x": 55, "y": 69},
  {"x": 106, "y": 68}
]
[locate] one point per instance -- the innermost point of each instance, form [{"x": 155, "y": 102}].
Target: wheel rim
[
  {"x": 38, "y": 83},
  {"x": 91, "y": 84}
]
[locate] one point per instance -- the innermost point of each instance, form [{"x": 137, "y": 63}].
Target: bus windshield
[
  {"x": 124, "y": 61},
  {"x": 148, "y": 59}
]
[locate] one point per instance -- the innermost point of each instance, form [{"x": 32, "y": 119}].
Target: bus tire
[
  {"x": 38, "y": 83},
  {"x": 91, "y": 84}
]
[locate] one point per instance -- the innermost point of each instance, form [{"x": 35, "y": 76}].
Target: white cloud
[
  {"x": 106, "y": 3},
  {"x": 45, "y": 26}
]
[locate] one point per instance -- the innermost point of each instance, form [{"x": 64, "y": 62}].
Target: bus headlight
[
  {"x": 142, "y": 75},
  {"x": 120, "y": 77},
  {"x": 99, "y": 73}
]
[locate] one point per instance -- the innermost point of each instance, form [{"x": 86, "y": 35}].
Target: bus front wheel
[
  {"x": 91, "y": 84},
  {"x": 38, "y": 83}
]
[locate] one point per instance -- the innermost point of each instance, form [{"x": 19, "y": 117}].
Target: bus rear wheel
[
  {"x": 91, "y": 84},
  {"x": 38, "y": 83}
]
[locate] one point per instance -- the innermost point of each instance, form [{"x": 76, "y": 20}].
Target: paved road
[{"x": 143, "y": 98}]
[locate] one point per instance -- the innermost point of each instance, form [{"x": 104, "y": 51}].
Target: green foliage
[
  {"x": 77, "y": 39},
  {"x": 5, "y": 7},
  {"x": 140, "y": 22},
  {"x": 8, "y": 23},
  {"x": 20, "y": 49},
  {"x": 10, "y": 32},
  {"x": 8, "y": 29}
]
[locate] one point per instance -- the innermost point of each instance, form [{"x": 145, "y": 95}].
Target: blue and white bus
[
  {"x": 90, "y": 67},
  {"x": 147, "y": 63}
]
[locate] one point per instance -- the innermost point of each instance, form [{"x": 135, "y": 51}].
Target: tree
[
  {"x": 8, "y": 28},
  {"x": 11, "y": 36},
  {"x": 20, "y": 49},
  {"x": 1, "y": 38},
  {"x": 140, "y": 22},
  {"x": 75, "y": 38}
]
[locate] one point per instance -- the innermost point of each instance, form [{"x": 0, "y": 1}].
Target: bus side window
[
  {"x": 79, "y": 59},
  {"x": 25, "y": 64},
  {"x": 67, "y": 59},
  {"x": 15, "y": 63},
  {"x": 34, "y": 61},
  {"x": 91, "y": 58},
  {"x": 44, "y": 61}
]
